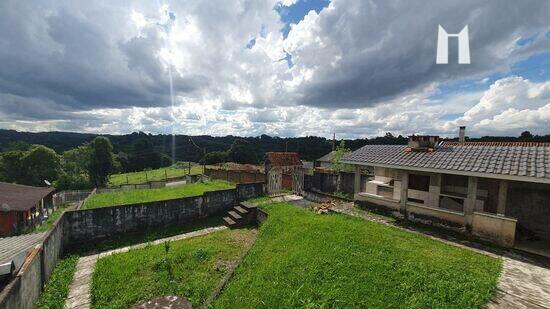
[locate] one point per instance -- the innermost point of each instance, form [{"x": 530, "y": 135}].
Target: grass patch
[
  {"x": 57, "y": 289},
  {"x": 151, "y": 195},
  {"x": 151, "y": 175},
  {"x": 302, "y": 259},
  {"x": 46, "y": 225},
  {"x": 192, "y": 269}
]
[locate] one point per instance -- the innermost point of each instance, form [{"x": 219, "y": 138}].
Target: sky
[{"x": 356, "y": 68}]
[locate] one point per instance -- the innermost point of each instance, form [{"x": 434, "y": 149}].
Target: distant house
[
  {"x": 22, "y": 207},
  {"x": 284, "y": 160},
  {"x": 282, "y": 166},
  {"x": 325, "y": 161},
  {"x": 497, "y": 190}
]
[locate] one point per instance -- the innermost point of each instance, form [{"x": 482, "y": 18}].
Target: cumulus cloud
[{"x": 358, "y": 68}]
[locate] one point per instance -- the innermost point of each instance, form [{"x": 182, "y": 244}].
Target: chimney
[
  {"x": 462, "y": 134},
  {"x": 422, "y": 143}
]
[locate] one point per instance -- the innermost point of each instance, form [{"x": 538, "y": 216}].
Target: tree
[
  {"x": 243, "y": 152},
  {"x": 337, "y": 164},
  {"x": 214, "y": 157},
  {"x": 11, "y": 169},
  {"x": 526, "y": 135},
  {"x": 144, "y": 155},
  {"x": 40, "y": 163},
  {"x": 77, "y": 160},
  {"x": 101, "y": 160}
]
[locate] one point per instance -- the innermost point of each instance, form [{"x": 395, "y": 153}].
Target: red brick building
[
  {"x": 21, "y": 207},
  {"x": 286, "y": 162}
]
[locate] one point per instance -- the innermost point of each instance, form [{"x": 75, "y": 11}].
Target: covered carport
[{"x": 529, "y": 203}]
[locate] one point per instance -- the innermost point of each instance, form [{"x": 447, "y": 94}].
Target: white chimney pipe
[{"x": 462, "y": 134}]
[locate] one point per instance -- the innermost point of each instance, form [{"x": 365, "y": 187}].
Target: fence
[
  {"x": 327, "y": 182},
  {"x": 69, "y": 196},
  {"x": 76, "y": 226},
  {"x": 236, "y": 176}
]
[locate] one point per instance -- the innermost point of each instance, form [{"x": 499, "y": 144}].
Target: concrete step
[
  {"x": 229, "y": 222},
  {"x": 234, "y": 215},
  {"x": 240, "y": 210},
  {"x": 248, "y": 206}
]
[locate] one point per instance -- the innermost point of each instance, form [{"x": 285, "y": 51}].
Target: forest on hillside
[
  {"x": 193, "y": 148},
  {"x": 78, "y": 161}
]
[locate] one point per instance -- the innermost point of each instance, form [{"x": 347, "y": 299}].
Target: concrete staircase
[{"x": 240, "y": 215}]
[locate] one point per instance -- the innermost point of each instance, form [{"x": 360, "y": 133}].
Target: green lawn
[
  {"x": 302, "y": 259},
  {"x": 57, "y": 288},
  {"x": 195, "y": 267},
  {"x": 150, "y": 195},
  {"x": 144, "y": 176}
]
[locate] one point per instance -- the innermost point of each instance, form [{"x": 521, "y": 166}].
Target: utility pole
[{"x": 333, "y": 141}]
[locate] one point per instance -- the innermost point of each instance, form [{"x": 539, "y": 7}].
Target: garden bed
[{"x": 192, "y": 268}]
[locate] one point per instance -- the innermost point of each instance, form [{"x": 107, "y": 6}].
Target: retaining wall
[
  {"x": 77, "y": 226},
  {"x": 27, "y": 285}
]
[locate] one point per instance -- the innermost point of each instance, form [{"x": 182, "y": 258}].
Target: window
[{"x": 419, "y": 182}]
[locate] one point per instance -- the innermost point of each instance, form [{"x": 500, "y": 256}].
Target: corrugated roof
[
  {"x": 526, "y": 161},
  {"x": 19, "y": 197},
  {"x": 16, "y": 248},
  {"x": 282, "y": 158}
]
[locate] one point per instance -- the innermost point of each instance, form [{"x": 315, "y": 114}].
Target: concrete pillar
[
  {"x": 435, "y": 190},
  {"x": 502, "y": 196},
  {"x": 357, "y": 179},
  {"x": 404, "y": 192},
  {"x": 470, "y": 202}
]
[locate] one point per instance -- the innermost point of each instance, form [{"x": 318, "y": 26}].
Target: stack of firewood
[{"x": 324, "y": 208}]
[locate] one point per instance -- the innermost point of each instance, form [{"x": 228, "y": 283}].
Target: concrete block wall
[
  {"x": 100, "y": 223},
  {"x": 25, "y": 288}
]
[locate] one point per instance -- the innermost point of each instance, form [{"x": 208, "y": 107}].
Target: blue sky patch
[{"x": 295, "y": 13}]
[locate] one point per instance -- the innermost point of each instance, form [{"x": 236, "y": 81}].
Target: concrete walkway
[
  {"x": 79, "y": 291},
  {"x": 523, "y": 283}
]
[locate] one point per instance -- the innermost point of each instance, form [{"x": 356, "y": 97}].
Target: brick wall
[{"x": 236, "y": 176}]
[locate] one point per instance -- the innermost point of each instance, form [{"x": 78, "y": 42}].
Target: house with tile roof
[
  {"x": 21, "y": 207},
  {"x": 496, "y": 190}
]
